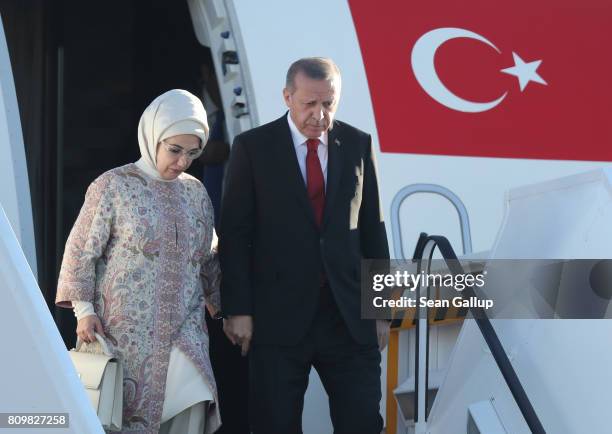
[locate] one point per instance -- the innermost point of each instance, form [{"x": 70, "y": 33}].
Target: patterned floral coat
[{"x": 142, "y": 252}]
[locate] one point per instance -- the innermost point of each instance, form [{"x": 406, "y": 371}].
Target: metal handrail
[
  {"x": 489, "y": 334},
  {"x": 398, "y": 199}
]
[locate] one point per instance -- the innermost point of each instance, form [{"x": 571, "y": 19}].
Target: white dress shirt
[{"x": 301, "y": 149}]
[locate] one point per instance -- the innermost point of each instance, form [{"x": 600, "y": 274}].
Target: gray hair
[{"x": 317, "y": 68}]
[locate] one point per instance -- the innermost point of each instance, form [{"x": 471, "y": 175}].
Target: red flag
[{"x": 514, "y": 79}]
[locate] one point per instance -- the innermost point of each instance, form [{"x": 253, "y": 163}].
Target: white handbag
[{"x": 102, "y": 376}]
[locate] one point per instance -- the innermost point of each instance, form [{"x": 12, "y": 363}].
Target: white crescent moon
[{"x": 423, "y": 54}]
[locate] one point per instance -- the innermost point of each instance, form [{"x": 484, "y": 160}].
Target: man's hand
[
  {"x": 87, "y": 326},
  {"x": 239, "y": 330},
  {"x": 382, "y": 331}
]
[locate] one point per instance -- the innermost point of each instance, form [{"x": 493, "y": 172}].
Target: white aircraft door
[{"x": 15, "y": 188}]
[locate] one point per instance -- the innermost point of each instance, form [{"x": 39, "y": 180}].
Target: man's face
[{"x": 312, "y": 104}]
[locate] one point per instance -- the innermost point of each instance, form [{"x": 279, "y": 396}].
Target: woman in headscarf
[{"x": 139, "y": 266}]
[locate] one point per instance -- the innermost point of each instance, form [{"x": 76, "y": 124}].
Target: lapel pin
[{"x": 337, "y": 142}]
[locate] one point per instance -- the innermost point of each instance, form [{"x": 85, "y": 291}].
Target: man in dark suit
[{"x": 300, "y": 211}]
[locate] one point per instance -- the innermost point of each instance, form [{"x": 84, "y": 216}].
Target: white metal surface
[
  {"x": 213, "y": 25},
  {"x": 564, "y": 365},
  {"x": 482, "y": 419},
  {"x": 36, "y": 373},
  {"x": 14, "y": 183}
]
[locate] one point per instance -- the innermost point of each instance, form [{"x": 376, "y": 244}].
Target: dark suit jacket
[{"x": 271, "y": 250}]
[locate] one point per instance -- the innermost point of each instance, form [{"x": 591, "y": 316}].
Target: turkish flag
[{"x": 514, "y": 79}]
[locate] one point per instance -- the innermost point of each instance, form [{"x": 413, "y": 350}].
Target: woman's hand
[{"x": 87, "y": 326}]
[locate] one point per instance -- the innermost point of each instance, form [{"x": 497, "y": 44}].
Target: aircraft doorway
[
  {"x": 116, "y": 58},
  {"x": 84, "y": 72}
]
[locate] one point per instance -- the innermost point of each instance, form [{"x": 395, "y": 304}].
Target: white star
[{"x": 525, "y": 72}]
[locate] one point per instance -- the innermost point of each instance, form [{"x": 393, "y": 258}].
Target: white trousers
[
  {"x": 189, "y": 421},
  {"x": 186, "y": 397},
  {"x": 185, "y": 386}
]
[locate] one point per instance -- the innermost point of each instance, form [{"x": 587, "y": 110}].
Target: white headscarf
[{"x": 170, "y": 114}]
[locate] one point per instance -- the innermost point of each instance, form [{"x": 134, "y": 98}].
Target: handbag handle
[{"x": 98, "y": 347}]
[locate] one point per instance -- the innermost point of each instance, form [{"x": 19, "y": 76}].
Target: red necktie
[{"x": 314, "y": 180}]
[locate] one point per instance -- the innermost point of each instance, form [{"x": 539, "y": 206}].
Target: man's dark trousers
[{"x": 349, "y": 371}]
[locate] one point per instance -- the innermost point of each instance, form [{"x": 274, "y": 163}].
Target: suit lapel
[
  {"x": 334, "y": 169},
  {"x": 290, "y": 170}
]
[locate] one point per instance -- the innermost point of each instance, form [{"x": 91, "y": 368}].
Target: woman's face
[{"x": 173, "y": 155}]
